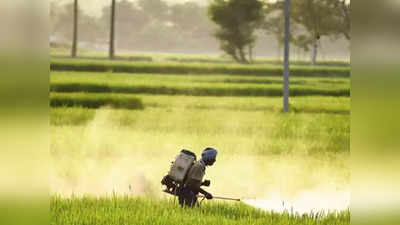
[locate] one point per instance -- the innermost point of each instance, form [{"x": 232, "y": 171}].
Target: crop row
[
  {"x": 256, "y": 61},
  {"x": 196, "y": 90},
  {"x": 207, "y": 80},
  {"x": 187, "y": 58},
  {"x": 193, "y": 68},
  {"x": 212, "y": 85},
  {"x": 95, "y": 101},
  {"x": 308, "y": 104}
]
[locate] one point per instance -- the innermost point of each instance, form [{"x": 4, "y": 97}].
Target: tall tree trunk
[
  {"x": 242, "y": 56},
  {"x": 250, "y": 53},
  {"x": 112, "y": 30},
  {"x": 314, "y": 51},
  {"x": 75, "y": 30},
  {"x": 235, "y": 57},
  {"x": 280, "y": 50}
]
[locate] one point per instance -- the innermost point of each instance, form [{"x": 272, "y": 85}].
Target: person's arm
[
  {"x": 205, "y": 193},
  {"x": 206, "y": 183},
  {"x": 194, "y": 185},
  {"x": 194, "y": 181}
]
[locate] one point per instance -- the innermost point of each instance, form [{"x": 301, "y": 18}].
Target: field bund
[{"x": 91, "y": 65}]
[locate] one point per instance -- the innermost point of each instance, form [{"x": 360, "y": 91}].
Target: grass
[
  {"x": 95, "y": 101},
  {"x": 128, "y": 210},
  {"x": 57, "y": 64},
  {"x": 212, "y": 85}
]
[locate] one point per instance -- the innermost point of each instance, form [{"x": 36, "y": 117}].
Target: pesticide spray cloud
[
  {"x": 305, "y": 202},
  {"x": 296, "y": 184},
  {"x": 97, "y": 159}
]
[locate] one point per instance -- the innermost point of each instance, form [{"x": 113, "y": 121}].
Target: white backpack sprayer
[
  {"x": 178, "y": 171},
  {"x": 177, "y": 174}
]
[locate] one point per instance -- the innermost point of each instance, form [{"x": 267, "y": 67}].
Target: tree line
[
  {"x": 168, "y": 27},
  {"x": 310, "y": 20},
  {"x": 235, "y": 24}
]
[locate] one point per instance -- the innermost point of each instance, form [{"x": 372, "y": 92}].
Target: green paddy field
[{"x": 116, "y": 125}]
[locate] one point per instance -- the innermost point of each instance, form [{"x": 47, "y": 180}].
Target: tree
[
  {"x": 189, "y": 25},
  {"x": 75, "y": 30},
  {"x": 189, "y": 16},
  {"x": 237, "y": 21},
  {"x": 274, "y": 23},
  {"x": 154, "y": 8},
  {"x": 128, "y": 23},
  {"x": 54, "y": 11},
  {"x": 89, "y": 28},
  {"x": 343, "y": 18},
  {"x": 318, "y": 18},
  {"x": 112, "y": 30}
]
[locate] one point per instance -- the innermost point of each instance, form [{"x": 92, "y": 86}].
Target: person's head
[{"x": 209, "y": 156}]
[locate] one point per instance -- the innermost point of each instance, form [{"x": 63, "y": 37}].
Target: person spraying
[{"x": 185, "y": 177}]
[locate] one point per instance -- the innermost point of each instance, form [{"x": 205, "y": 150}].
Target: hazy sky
[{"x": 94, "y": 7}]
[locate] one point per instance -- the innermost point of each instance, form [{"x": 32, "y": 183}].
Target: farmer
[{"x": 192, "y": 185}]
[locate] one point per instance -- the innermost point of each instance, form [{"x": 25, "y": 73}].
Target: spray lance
[{"x": 217, "y": 197}]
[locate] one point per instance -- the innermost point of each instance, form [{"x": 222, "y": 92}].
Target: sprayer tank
[{"x": 183, "y": 162}]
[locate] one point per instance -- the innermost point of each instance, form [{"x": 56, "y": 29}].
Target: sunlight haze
[{"x": 93, "y": 7}]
